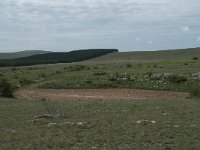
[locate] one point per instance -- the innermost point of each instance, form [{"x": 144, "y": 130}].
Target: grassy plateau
[{"x": 106, "y": 124}]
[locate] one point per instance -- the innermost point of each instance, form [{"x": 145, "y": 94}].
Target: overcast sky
[{"x": 63, "y": 25}]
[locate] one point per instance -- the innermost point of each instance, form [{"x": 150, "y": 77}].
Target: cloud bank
[{"x": 75, "y": 24}]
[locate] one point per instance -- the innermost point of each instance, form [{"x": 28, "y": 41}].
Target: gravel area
[{"x": 96, "y": 94}]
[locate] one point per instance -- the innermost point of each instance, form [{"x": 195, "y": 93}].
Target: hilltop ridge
[
  {"x": 24, "y": 53},
  {"x": 56, "y": 57}
]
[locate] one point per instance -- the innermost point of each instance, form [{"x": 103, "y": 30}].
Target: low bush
[
  {"x": 42, "y": 75},
  {"x": 128, "y": 65},
  {"x": 88, "y": 82},
  {"x": 195, "y": 58},
  {"x": 6, "y": 88},
  {"x": 177, "y": 79},
  {"x": 155, "y": 65}
]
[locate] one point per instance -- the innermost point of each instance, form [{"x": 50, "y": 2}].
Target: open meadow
[
  {"x": 100, "y": 124},
  {"x": 129, "y": 100}
]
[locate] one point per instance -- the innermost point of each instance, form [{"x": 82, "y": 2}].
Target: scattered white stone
[
  {"x": 176, "y": 126},
  {"x": 67, "y": 123},
  {"x": 80, "y": 123},
  {"x": 124, "y": 110},
  {"x": 193, "y": 125},
  {"x": 152, "y": 122},
  {"x": 72, "y": 123},
  {"x": 11, "y": 131},
  {"x": 147, "y": 121},
  {"x": 164, "y": 114}
]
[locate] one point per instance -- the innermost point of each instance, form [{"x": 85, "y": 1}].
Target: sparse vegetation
[
  {"x": 104, "y": 124},
  {"x": 25, "y": 81},
  {"x": 141, "y": 124},
  {"x": 99, "y": 73}
]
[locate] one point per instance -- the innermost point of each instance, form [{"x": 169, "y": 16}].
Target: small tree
[{"x": 6, "y": 88}]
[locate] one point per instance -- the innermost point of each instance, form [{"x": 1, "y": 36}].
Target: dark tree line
[{"x": 56, "y": 57}]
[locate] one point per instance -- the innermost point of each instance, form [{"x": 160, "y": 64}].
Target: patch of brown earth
[{"x": 96, "y": 94}]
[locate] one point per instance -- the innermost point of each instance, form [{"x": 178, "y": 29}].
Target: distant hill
[
  {"x": 56, "y": 57},
  {"x": 20, "y": 54},
  {"x": 150, "y": 56}
]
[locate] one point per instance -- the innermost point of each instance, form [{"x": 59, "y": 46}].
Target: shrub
[
  {"x": 57, "y": 72},
  {"x": 6, "y": 88},
  {"x": 43, "y": 75},
  {"x": 195, "y": 92},
  {"x": 195, "y": 58},
  {"x": 155, "y": 65},
  {"x": 128, "y": 65},
  {"x": 88, "y": 82},
  {"x": 177, "y": 79}
]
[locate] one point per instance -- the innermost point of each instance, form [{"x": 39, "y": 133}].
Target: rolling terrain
[
  {"x": 20, "y": 54},
  {"x": 56, "y": 57},
  {"x": 150, "y": 56},
  {"x": 125, "y": 100},
  {"x": 115, "y": 70}
]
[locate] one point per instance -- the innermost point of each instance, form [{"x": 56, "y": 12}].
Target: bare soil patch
[{"x": 96, "y": 94}]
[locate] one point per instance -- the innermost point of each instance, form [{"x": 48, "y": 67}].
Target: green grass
[
  {"x": 103, "y": 124},
  {"x": 110, "y": 125},
  {"x": 149, "y": 56},
  {"x": 88, "y": 74}
]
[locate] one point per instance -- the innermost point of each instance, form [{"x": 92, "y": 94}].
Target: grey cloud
[
  {"x": 93, "y": 23},
  {"x": 198, "y": 39},
  {"x": 185, "y": 28}
]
